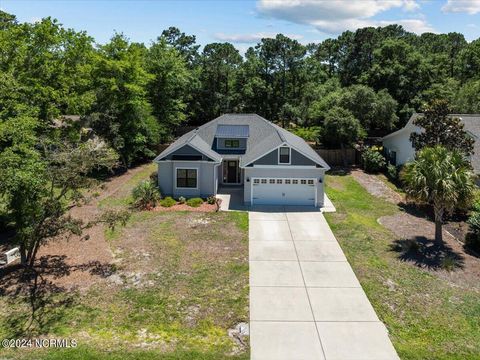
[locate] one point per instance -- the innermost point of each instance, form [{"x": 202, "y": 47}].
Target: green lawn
[
  {"x": 182, "y": 282},
  {"x": 427, "y": 317}
]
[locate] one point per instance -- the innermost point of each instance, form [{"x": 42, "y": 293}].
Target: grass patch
[
  {"x": 192, "y": 273},
  {"x": 426, "y": 316},
  {"x": 123, "y": 196},
  {"x": 88, "y": 353}
]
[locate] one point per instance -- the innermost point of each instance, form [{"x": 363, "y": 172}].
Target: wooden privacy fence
[{"x": 333, "y": 157}]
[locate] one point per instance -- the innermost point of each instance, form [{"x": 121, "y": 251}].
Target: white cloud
[
  {"x": 416, "y": 26},
  {"x": 335, "y": 16},
  {"x": 250, "y": 38},
  {"x": 462, "y": 6}
]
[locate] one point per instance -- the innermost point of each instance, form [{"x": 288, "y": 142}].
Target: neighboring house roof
[
  {"x": 263, "y": 137},
  {"x": 471, "y": 124}
]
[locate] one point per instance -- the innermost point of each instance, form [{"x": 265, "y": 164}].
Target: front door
[{"x": 232, "y": 171}]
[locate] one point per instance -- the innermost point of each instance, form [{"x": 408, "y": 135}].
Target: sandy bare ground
[
  {"x": 376, "y": 187},
  {"x": 77, "y": 263}
]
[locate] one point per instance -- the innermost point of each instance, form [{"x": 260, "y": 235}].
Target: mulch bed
[
  {"x": 414, "y": 223},
  {"x": 184, "y": 207},
  {"x": 429, "y": 256}
]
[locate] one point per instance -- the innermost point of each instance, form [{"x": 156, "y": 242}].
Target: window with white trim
[
  {"x": 287, "y": 181},
  {"x": 310, "y": 182},
  {"x": 294, "y": 182},
  {"x": 186, "y": 178},
  {"x": 256, "y": 181},
  {"x": 303, "y": 182},
  {"x": 271, "y": 181},
  {"x": 284, "y": 155},
  {"x": 279, "y": 181},
  {"x": 264, "y": 181}
]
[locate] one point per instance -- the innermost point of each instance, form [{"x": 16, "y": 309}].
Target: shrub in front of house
[
  {"x": 194, "y": 202},
  {"x": 392, "y": 172},
  {"x": 168, "y": 202},
  {"x": 472, "y": 240},
  {"x": 373, "y": 160},
  {"x": 154, "y": 177},
  {"x": 211, "y": 200},
  {"x": 145, "y": 195}
]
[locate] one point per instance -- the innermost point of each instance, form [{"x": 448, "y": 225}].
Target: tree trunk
[
  {"x": 438, "y": 224},
  {"x": 438, "y": 232},
  {"x": 33, "y": 254},
  {"x": 23, "y": 255}
]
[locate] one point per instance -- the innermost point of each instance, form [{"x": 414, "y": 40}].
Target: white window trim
[
  {"x": 186, "y": 168},
  {"x": 289, "y": 155}
]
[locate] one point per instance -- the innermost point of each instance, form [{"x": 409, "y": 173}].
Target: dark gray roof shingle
[{"x": 264, "y": 136}]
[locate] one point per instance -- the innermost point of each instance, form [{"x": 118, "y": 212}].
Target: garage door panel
[{"x": 289, "y": 191}]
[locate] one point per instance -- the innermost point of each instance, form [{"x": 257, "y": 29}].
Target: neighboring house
[
  {"x": 272, "y": 165},
  {"x": 399, "y": 150}
]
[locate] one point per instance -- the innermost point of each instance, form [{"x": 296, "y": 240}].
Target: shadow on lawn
[
  {"x": 341, "y": 170},
  {"x": 426, "y": 253},
  {"x": 33, "y": 289}
]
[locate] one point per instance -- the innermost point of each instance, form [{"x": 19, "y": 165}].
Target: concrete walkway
[{"x": 305, "y": 300}]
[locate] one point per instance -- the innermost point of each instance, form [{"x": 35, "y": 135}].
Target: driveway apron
[{"x": 305, "y": 300}]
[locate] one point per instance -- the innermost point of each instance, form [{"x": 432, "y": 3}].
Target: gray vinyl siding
[
  {"x": 185, "y": 150},
  {"x": 206, "y": 179},
  {"x": 270, "y": 159},
  {"x": 316, "y": 173},
  {"x": 165, "y": 180},
  {"x": 221, "y": 143},
  {"x": 296, "y": 159}
]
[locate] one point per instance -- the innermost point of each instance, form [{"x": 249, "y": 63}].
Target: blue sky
[{"x": 245, "y": 22}]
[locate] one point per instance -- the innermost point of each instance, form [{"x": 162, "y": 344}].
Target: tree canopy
[
  {"x": 136, "y": 95},
  {"x": 441, "y": 129},
  {"x": 440, "y": 178}
]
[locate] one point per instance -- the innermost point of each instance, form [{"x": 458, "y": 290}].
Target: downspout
[{"x": 215, "y": 172}]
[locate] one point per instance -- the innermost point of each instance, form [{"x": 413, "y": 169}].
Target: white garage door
[{"x": 283, "y": 191}]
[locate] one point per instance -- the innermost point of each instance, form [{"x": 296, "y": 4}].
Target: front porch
[{"x": 230, "y": 172}]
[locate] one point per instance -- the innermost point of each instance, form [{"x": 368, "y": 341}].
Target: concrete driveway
[{"x": 305, "y": 300}]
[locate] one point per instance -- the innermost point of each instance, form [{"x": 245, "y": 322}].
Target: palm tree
[{"x": 441, "y": 178}]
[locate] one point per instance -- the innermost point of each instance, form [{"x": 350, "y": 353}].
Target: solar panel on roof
[{"x": 232, "y": 131}]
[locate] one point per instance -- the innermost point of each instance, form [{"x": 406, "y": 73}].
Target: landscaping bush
[
  {"x": 145, "y": 195},
  {"x": 182, "y": 200},
  {"x": 211, "y": 200},
  {"x": 168, "y": 202},
  {"x": 373, "y": 161},
  {"x": 472, "y": 240},
  {"x": 154, "y": 177},
  {"x": 392, "y": 172},
  {"x": 194, "y": 202},
  {"x": 448, "y": 263}
]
